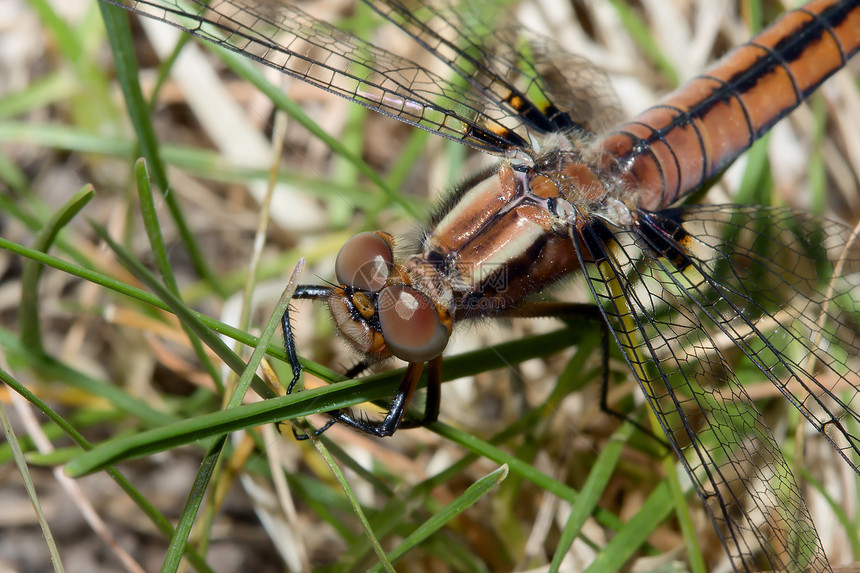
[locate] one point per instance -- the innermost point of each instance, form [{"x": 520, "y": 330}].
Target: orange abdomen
[{"x": 673, "y": 147}]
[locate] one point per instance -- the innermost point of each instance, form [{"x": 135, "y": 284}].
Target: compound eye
[
  {"x": 364, "y": 262},
  {"x": 411, "y": 326}
]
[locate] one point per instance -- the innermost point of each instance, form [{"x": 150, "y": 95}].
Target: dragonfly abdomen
[{"x": 675, "y": 146}]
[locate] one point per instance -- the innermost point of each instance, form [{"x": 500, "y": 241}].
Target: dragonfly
[{"x": 577, "y": 189}]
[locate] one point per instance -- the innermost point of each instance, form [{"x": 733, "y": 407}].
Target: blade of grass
[
  {"x": 347, "y": 489},
  {"x": 92, "y": 106},
  {"x": 242, "y": 417},
  {"x": 268, "y": 332},
  {"x": 166, "y": 64},
  {"x": 314, "y": 401},
  {"x": 754, "y": 188},
  {"x": 119, "y": 35},
  {"x": 85, "y": 419},
  {"x": 849, "y": 522},
  {"x": 173, "y": 557},
  {"x": 42, "y": 93},
  {"x": 627, "y": 540},
  {"x": 182, "y": 312},
  {"x": 384, "y": 521},
  {"x": 202, "y": 427},
  {"x": 469, "y": 497},
  {"x": 641, "y": 34},
  {"x": 591, "y": 493},
  {"x": 156, "y": 241},
  {"x": 224, "y": 480},
  {"x": 12, "y": 176},
  {"x": 529, "y": 472},
  {"x": 682, "y": 511},
  {"x": 353, "y": 465},
  {"x": 817, "y": 168},
  {"x": 21, "y": 464},
  {"x": 152, "y": 300},
  {"x": 326, "y": 501},
  {"x": 31, "y": 332},
  {"x": 64, "y": 138},
  {"x": 202, "y": 163},
  {"x": 142, "y": 502},
  {"x": 210, "y": 461},
  {"x": 12, "y": 207},
  {"x": 67, "y": 41}
]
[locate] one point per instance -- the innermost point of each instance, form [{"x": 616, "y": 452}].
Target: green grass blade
[
  {"x": 173, "y": 556},
  {"x": 850, "y": 523},
  {"x": 682, "y": 512},
  {"x": 642, "y": 35},
  {"x": 134, "y": 494},
  {"x": 589, "y": 497},
  {"x": 185, "y": 314},
  {"x": 519, "y": 467},
  {"x": 49, "y": 90},
  {"x": 353, "y": 500},
  {"x": 153, "y": 230},
  {"x": 142, "y": 296},
  {"x": 27, "y": 479},
  {"x": 656, "y": 509},
  {"x": 314, "y": 401},
  {"x": 210, "y": 461},
  {"x": 119, "y": 34},
  {"x": 472, "y": 494},
  {"x": 31, "y": 333}
]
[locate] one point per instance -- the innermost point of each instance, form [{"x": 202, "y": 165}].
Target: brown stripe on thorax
[
  {"x": 495, "y": 243},
  {"x": 672, "y": 148}
]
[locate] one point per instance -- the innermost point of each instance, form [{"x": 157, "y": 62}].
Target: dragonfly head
[{"x": 378, "y": 310}]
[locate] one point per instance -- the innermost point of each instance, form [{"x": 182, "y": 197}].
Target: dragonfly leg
[
  {"x": 604, "y": 392},
  {"x": 312, "y": 292},
  {"x": 290, "y": 349},
  {"x": 565, "y": 311},
  {"x": 387, "y": 426},
  {"x": 433, "y": 398},
  {"x": 357, "y": 368},
  {"x": 315, "y": 293}
]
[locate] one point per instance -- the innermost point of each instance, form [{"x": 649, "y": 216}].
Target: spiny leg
[
  {"x": 432, "y": 399},
  {"x": 312, "y": 292},
  {"x": 398, "y": 406},
  {"x": 315, "y": 293}
]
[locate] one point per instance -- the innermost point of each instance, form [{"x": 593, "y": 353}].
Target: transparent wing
[
  {"x": 549, "y": 88},
  {"x": 687, "y": 289},
  {"x": 496, "y": 98}
]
